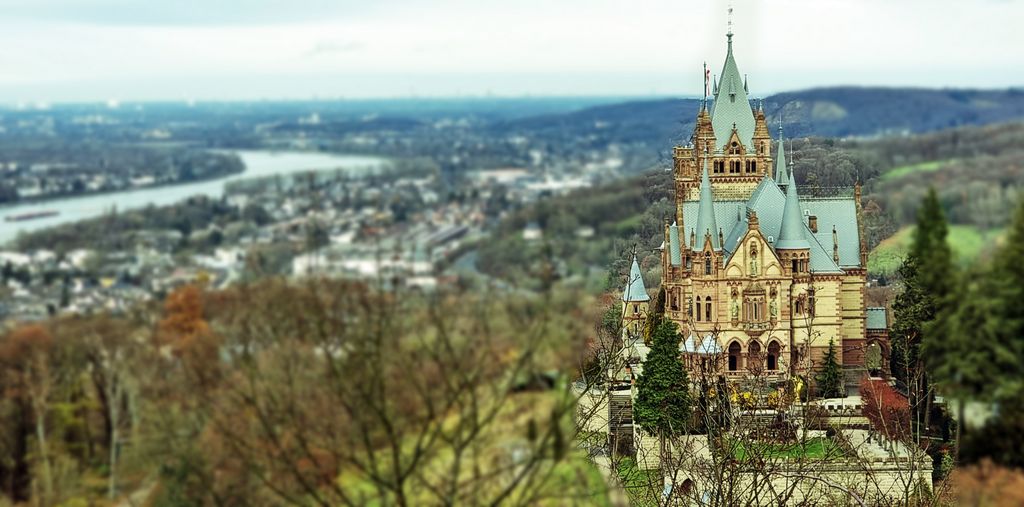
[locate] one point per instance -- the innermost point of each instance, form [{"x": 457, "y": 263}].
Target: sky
[{"x": 132, "y": 50}]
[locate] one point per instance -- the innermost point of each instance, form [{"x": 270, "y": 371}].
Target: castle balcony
[{"x": 756, "y": 328}]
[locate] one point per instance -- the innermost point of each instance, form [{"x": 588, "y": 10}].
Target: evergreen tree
[
  {"x": 972, "y": 359},
  {"x": 662, "y": 404},
  {"x": 830, "y": 377},
  {"x": 928, "y": 277},
  {"x": 1008, "y": 291}
]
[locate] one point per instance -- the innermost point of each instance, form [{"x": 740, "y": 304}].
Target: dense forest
[{"x": 311, "y": 393}]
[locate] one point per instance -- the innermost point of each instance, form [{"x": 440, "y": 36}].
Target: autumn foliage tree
[
  {"x": 26, "y": 359},
  {"x": 887, "y": 410},
  {"x": 185, "y": 332}
]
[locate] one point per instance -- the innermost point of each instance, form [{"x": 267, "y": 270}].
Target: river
[{"x": 257, "y": 163}]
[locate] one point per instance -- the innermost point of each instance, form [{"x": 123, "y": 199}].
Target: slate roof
[
  {"x": 731, "y": 106},
  {"x": 689, "y": 345},
  {"x": 768, "y": 201},
  {"x": 675, "y": 254},
  {"x": 635, "y": 289},
  {"x": 791, "y": 233},
  {"x": 876, "y": 318},
  {"x": 781, "y": 173},
  {"x": 706, "y": 220},
  {"x": 709, "y": 345}
]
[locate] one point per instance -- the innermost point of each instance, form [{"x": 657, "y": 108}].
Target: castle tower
[
  {"x": 635, "y": 301},
  {"x": 732, "y": 135}
]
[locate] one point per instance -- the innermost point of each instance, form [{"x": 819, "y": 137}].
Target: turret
[
  {"x": 792, "y": 245},
  {"x": 781, "y": 172},
  {"x": 675, "y": 255},
  {"x": 635, "y": 301},
  {"x": 731, "y": 106},
  {"x": 706, "y": 226}
]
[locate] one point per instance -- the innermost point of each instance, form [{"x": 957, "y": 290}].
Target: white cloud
[{"x": 264, "y": 48}]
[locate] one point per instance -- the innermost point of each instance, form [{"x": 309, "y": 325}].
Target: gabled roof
[
  {"x": 768, "y": 202},
  {"x": 736, "y": 232},
  {"x": 706, "y": 223},
  {"x": 840, "y": 213},
  {"x": 709, "y": 345},
  {"x": 731, "y": 107},
  {"x": 689, "y": 345},
  {"x": 635, "y": 289}
]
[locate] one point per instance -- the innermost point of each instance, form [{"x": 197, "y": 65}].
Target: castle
[{"x": 758, "y": 275}]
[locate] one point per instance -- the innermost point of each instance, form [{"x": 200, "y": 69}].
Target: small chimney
[{"x": 812, "y": 223}]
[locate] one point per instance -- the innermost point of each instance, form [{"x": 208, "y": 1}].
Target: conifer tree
[
  {"x": 830, "y": 378},
  {"x": 662, "y": 404},
  {"x": 928, "y": 276},
  {"x": 1008, "y": 282}
]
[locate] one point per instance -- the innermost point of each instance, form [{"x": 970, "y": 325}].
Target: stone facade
[{"x": 772, "y": 275}]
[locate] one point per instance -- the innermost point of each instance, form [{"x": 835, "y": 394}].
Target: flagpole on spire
[
  {"x": 707, "y": 77},
  {"x": 729, "y": 33}
]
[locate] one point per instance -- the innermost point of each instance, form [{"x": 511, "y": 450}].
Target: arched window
[
  {"x": 698, "y": 308},
  {"x": 753, "y": 355},
  {"x": 773, "y": 356},
  {"x": 873, "y": 359},
  {"x": 798, "y": 307},
  {"x": 810, "y": 302},
  {"x": 796, "y": 266},
  {"x": 707, "y": 264},
  {"x": 707, "y": 308},
  {"x": 734, "y": 356}
]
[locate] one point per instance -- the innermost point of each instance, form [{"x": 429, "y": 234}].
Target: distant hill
[{"x": 827, "y": 112}]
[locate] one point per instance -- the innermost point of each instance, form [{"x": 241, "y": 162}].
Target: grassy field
[
  {"x": 642, "y": 486},
  {"x": 968, "y": 243},
  {"x": 815, "y": 448},
  {"x": 901, "y": 171}
]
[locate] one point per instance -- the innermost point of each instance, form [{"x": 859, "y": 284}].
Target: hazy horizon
[{"x": 78, "y": 51}]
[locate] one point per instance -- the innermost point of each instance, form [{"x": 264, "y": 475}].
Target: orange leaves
[
  {"x": 23, "y": 342},
  {"x": 183, "y": 316},
  {"x": 185, "y": 331},
  {"x": 887, "y": 410}
]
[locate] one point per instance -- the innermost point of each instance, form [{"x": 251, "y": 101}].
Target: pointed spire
[
  {"x": 781, "y": 171},
  {"x": 732, "y": 106},
  {"x": 635, "y": 289},
  {"x": 745, "y": 88},
  {"x": 706, "y": 225},
  {"x": 675, "y": 251},
  {"x": 791, "y": 235}
]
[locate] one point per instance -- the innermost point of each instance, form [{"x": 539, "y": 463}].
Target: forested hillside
[
  {"x": 825, "y": 112},
  {"x": 976, "y": 170}
]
